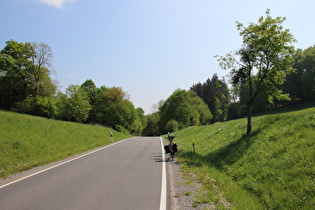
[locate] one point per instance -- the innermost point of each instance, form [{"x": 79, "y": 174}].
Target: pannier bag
[
  {"x": 174, "y": 147},
  {"x": 167, "y": 149}
]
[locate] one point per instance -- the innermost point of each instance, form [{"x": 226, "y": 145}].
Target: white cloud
[{"x": 57, "y": 3}]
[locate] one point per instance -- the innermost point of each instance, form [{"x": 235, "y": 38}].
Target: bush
[
  {"x": 40, "y": 106},
  {"x": 45, "y": 107},
  {"x": 120, "y": 128},
  {"x": 172, "y": 126},
  {"x": 74, "y": 105},
  {"x": 25, "y": 106}
]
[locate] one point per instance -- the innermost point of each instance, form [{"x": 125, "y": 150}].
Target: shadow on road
[{"x": 158, "y": 158}]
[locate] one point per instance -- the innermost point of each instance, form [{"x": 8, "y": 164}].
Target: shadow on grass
[
  {"x": 224, "y": 156},
  {"x": 289, "y": 108}
]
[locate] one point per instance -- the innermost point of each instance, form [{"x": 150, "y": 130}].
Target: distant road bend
[{"x": 129, "y": 174}]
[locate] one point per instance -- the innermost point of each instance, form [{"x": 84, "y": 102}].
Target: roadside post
[{"x": 111, "y": 136}]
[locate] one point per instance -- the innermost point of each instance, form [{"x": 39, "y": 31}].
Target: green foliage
[
  {"x": 142, "y": 119},
  {"x": 93, "y": 92},
  {"x": 186, "y": 108},
  {"x": 24, "y": 74},
  {"x": 15, "y": 82},
  {"x": 273, "y": 168},
  {"x": 45, "y": 107},
  {"x": 215, "y": 94},
  {"x": 307, "y": 65},
  {"x": 152, "y": 125},
  {"x": 172, "y": 126},
  {"x": 40, "y": 106},
  {"x": 235, "y": 111},
  {"x": 120, "y": 128},
  {"x": 263, "y": 61},
  {"x": 27, "y": 141},
  {"x": 26, "y": 85},
  {"x": 111, "y": 107},
  {"x": 118, "y": 113},
  {"x": 74, "y": 105},
  {"x": 301, "y": 83},
  {"x": 41, "y": 59}
]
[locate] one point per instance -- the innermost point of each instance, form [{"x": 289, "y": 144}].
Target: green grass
[
  {"x": 274, "y": 168},
  {"x": 27, "y": 141}
]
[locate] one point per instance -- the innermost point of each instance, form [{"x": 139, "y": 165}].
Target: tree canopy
[
  {"x": 215, "y": 93},
  {"x": 24, "y": 74},
  {"x": 186, "y": 108}
]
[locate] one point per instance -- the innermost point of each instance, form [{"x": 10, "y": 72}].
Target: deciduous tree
[
  {"x": 74, "y": 104},
  {"x": 15, "y": 80},
  {"x": 25, "y": 76},
  {"x": 263, "y": 61},
  {"x": 186, "y": 108},
  {"x": 41, "y": 58}
]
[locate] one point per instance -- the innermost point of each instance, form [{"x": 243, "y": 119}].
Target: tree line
[
  {"x": 26, "y": 86},
  {"x": 227, "y": 103},
  {"x": 265, "y": 73}
]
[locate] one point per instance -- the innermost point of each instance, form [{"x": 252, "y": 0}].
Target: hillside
[
  {"x": 27, "y": 141},
  {"x": 274, "y": 168}
]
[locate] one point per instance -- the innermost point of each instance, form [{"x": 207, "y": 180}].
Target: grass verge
[
  {"x": 274, "y": 168},
  {"x": 27, "y": 141}
]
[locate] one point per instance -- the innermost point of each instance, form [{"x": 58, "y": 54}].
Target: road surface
[{"x": 125, "y": 175}]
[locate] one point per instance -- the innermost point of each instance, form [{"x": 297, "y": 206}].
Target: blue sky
[{"x": 149, "y": 48}]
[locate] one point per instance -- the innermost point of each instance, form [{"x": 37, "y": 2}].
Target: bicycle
[{"x": 171, "y": 148}]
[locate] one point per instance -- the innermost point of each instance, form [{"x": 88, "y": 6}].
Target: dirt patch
[{"x": 187, "y": 193}]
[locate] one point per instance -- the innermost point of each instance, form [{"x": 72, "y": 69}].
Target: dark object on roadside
[
  {"x": 170, "y": 138},
  {"x": 172, "y": 149},
  {"x": 167, "y": 149}
]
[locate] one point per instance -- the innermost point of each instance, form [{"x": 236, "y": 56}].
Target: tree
[
  {"x": 41, "y": 58},
  {"x": 90, "y": 88},
  {"x": 111, "y": 107},
  {"x": 25, "y": 76},
  {"x": 308, "y": 65},
  {"x": 294, "y": 84},
  {"x": 116, "y": 94},
  {"x": 215, "y": 94},
  {"x": 96, "y": 100},
  {"x": 74, "y": 104},
  {"x": 186, "y": 108},
  {"x": 302, "y": 82},
  {"x": 172, "y": 126},
  {"x": 15, "y": 80},
  {"x": 142, "y": 119},
  {"x": 263, "y": 61},
  {"x": 203, "y": 114},
  {"x": 152, "y": 126}
]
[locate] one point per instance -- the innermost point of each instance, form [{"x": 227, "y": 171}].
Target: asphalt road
[{"x": 126, "y": 175}]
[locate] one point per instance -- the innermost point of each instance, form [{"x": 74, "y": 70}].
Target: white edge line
[
  {"x": 68, "y": 161},
  {"x": 163, "y": 187}
]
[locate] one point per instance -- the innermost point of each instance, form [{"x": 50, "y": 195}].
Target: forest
[{"x": 266, "y": 73}]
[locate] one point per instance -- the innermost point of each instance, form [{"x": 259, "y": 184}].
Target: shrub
[
  {"x": 120, "y": 128},
  {"x": 172, "y": 126}
]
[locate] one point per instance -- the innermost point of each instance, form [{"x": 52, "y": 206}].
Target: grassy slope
[
  {"x": 274, "y": 168},
  {"x": 27, "y": 141}
]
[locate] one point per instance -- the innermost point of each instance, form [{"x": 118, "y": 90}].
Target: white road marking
[
  {"x": 163, "y": 187},
  {"x": 68, "y": 161}
]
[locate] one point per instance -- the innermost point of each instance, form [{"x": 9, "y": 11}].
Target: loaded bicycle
[{"x": 171, "y": 148}]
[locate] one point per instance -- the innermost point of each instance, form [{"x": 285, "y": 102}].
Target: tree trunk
[{"x": 249, "y": 118}]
